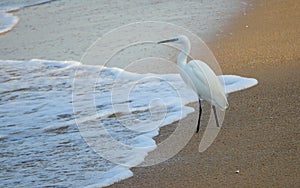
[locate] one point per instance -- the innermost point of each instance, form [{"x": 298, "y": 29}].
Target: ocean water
[
  {"x": 40, "y": 141},
  {"x": 7, "y": 19},
  {"x": 47, "y": 123}
]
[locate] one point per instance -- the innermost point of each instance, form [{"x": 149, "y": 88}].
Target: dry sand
[{"x": 260, "y": 136}]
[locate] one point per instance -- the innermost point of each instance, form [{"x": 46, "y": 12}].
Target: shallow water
[
  {"x": 8, "y": 20},
  {"x": 40, "y": 142},
  {"x": 42, "y": 112}
]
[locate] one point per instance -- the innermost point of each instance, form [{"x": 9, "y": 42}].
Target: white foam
[
  {"x": 55, "y": 63},
  {"x": 112, "y": 176},
  {"x": 41, "y": 90},
  {"x": 131, "y": 109},
  {"x": 7, "y": 22},
  {"x": 3, "y": 137},
  {"x": 235, "y": 83},
  {"x": 55, "y": 127}
]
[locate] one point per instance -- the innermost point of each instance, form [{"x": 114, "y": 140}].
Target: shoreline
[
  {"x": 260, "y": 134},
  {"x": 13, "y": 24},
  {"x": 57, "y": 45},
  {"x": 251, "y": 111},
  {"x": 9, "y": 12}
]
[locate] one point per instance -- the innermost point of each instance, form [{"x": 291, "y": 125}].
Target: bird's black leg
[
  {"x": 200, "y": 112},
  {"x": 216, "y": 117}
]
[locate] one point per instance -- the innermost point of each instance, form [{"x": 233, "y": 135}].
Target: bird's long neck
[{"x": 183, "y": 55}]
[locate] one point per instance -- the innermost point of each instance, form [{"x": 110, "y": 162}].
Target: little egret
[{"x": 200, "y": 77}]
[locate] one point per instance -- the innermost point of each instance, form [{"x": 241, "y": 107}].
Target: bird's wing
[
  {"x": 207, "y": 84},
  {"x": 203, "y": 76}
]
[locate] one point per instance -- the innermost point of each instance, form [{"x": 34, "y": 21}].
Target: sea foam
[
  {"x": 7, "y": 20},
  {"x": 41, "y": 133}
]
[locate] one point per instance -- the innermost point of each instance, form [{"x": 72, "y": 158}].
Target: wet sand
[
  {"x": 64, "y": 30},
  {"x": 260, "y": 136}
]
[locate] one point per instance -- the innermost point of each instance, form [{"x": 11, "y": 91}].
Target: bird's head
[{"x": 182, "y": 40}]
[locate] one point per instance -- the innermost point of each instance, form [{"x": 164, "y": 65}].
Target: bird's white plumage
[
  {"x": 201, "y": 78},
  {"x": 208, "y": 86}
]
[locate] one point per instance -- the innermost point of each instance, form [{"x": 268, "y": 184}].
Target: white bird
[{"x": 200, "y": 77}]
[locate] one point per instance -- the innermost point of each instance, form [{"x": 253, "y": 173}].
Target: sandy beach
[{"x": 260, "y": 136}]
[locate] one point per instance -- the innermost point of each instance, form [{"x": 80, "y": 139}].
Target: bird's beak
[{"x": 169, "y": 40}]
